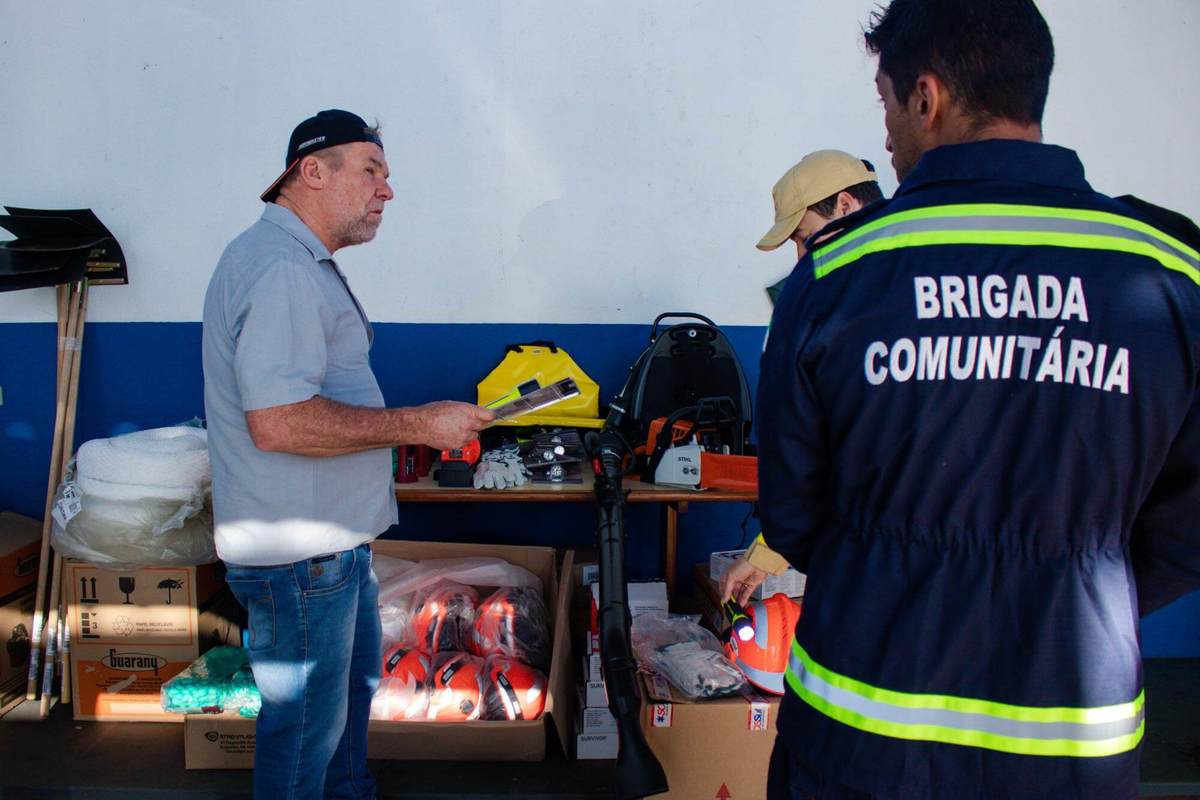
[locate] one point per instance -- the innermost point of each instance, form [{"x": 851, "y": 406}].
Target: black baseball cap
[{"x": 327, "y": 129}]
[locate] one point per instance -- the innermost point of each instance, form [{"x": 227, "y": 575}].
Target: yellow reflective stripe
[
  {"x": 971, "y": 706},
  {"x": 1011, "y": 238},
  {"x": 1010, "y": 210},
  {"x": 921, "y": 229},
  {"x": 970, "y": 738}
]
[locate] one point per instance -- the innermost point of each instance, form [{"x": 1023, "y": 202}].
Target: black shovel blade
[{"x": 46, "y": 229}]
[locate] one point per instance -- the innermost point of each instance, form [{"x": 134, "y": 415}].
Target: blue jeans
[{"x": 314, "y": 642}]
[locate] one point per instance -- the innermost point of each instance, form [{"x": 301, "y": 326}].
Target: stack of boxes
[
  {"x": 596, "y": 729},
  {"x": 133, "y": 630},
  {"x": 20, "y": 544}
]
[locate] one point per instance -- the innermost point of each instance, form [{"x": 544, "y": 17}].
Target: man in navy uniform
[{"x": 980, "y": 438}]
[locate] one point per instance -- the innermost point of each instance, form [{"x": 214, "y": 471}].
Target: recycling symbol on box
[{"x": 123, "y": 626}]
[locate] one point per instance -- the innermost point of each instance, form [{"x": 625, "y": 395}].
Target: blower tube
[{"x": 639, "y": 774}]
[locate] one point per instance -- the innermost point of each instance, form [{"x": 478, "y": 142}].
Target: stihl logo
[{"x": 133, "y": 662}]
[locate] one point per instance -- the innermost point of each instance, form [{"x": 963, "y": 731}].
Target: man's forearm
[{"x": 321, "y": 427}]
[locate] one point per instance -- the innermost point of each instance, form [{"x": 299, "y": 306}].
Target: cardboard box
[
  {"x": 590, "y": 746},
  {"x": 492, "y": 741},
  {"x": 591, "y": 667},
  {"x": 790, "y": 582},
  {"x": 218, "y": 741},
  {"x": 131, "y": 632},
  {"x": 20, "y": 547},
  {"x": 225, "y": 741},
  {"x": 595, "y": 694},
  {"x": 597, "y": 720},
  {"x": 16, "y": 617},
  {"x": 712, "y": 616},
  {"x": 714, "y": 748},
  {"x": 645, "y": 597}
]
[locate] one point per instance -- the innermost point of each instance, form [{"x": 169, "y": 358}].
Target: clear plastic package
[{"x": 687, "y": 655}]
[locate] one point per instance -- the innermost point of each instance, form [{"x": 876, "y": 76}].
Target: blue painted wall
[{"x": 141, "y": 375}]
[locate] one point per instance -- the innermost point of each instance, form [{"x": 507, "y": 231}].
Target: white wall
[{"x": 554, "y": 162}]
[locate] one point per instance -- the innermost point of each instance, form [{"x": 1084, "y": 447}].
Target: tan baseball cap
[{"x": 817, "y": 176}]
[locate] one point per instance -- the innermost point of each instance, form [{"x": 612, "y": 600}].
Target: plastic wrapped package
[
  {"x": 403, "y": 586},
  {"x": 443, "y": 616},
  {"x": 396, "y": 621},
  {"x": 403, "y": 693},
  {"x": 513, "y": 622},
  {"x": 243, "y": 695},
  {"x": 388, "y": 567},
  {"x": 512, "y": 690},
  {"x": 456, "y": 687},
  {"x": 478, "y": 571},
  {"x": 139, "y": 499},
  {"x": 158, "y": 457},
  {"x": 686, "y": 654},
  {"x": 208, "y": 684},
  {"x": 399, "y": 700}
]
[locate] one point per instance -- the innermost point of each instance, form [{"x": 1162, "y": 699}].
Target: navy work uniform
[{"x": 980, "y": 429}]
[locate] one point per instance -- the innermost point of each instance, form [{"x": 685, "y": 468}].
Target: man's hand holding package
[{"x": 451, "y": 424}]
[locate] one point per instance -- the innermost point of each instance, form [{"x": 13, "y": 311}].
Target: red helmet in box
[
  {"x": 514, "y": 690},
  {"x": 443, "y": 619},
  {"x": 513, "y": 622},
  {"x": 404, "y": 662},
  {"x": 456, "y": 687}
]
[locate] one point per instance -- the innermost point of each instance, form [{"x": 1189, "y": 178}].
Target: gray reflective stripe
[
  {"x": 762, "y": 625},
  {"x": 944, "y": 718},
  {"x": 1004, "y": 222},
  {"x": 771, "y": 681}
]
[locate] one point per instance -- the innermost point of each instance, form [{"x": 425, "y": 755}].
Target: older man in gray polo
[{"x": 301, "y": 443}]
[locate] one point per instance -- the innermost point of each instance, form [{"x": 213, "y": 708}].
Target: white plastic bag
[
  {"x": 479, "y": 571},
  {"x": 140, "y": 499},
  {"x": 403, "y": 586}
]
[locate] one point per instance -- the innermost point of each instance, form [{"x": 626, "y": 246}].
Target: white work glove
[{"x": 500, "y": 469}]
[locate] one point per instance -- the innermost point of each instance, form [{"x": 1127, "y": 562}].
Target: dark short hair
[
  {"x": 866, "y": 193},
  {"x": 995, "y": 56}
]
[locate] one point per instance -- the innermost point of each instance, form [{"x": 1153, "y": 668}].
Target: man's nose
[
  {"x": 887, "y": 143},
  {"x": 387, "y": 193}
]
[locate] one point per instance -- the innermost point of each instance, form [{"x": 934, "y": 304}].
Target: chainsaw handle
[{"x": 682, "y": 314}]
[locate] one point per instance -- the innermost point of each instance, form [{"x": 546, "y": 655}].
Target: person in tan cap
[{"x": 825, "y": 185}]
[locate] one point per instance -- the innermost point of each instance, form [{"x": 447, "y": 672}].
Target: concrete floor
[{"x": 61, "y": 758}]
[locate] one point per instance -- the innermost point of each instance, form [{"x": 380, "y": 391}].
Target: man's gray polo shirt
[{"x": 281, "y": 326}]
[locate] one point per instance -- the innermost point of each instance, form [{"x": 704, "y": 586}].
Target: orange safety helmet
[
  {"x": 404, "y": 663},
  {"x": 443, "y": 620},
  {"x": 514, "y": 690},
  {"x": 763, "y": 658},
  {"x": 402, "y": 693},
  {"x": 513, "y": 622},
  {"x": 456, "y": 687}
]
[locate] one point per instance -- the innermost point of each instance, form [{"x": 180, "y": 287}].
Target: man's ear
[
  {"x": 928, "y": 100},
  {"x": 847, "y": 204},
  {"x": 313, "y": 172}
]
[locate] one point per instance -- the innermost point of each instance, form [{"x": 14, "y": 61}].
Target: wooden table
[{"x": 674, "y": 502}]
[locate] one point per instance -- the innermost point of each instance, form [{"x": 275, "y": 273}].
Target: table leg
[{"x": 671, "y": 511}]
